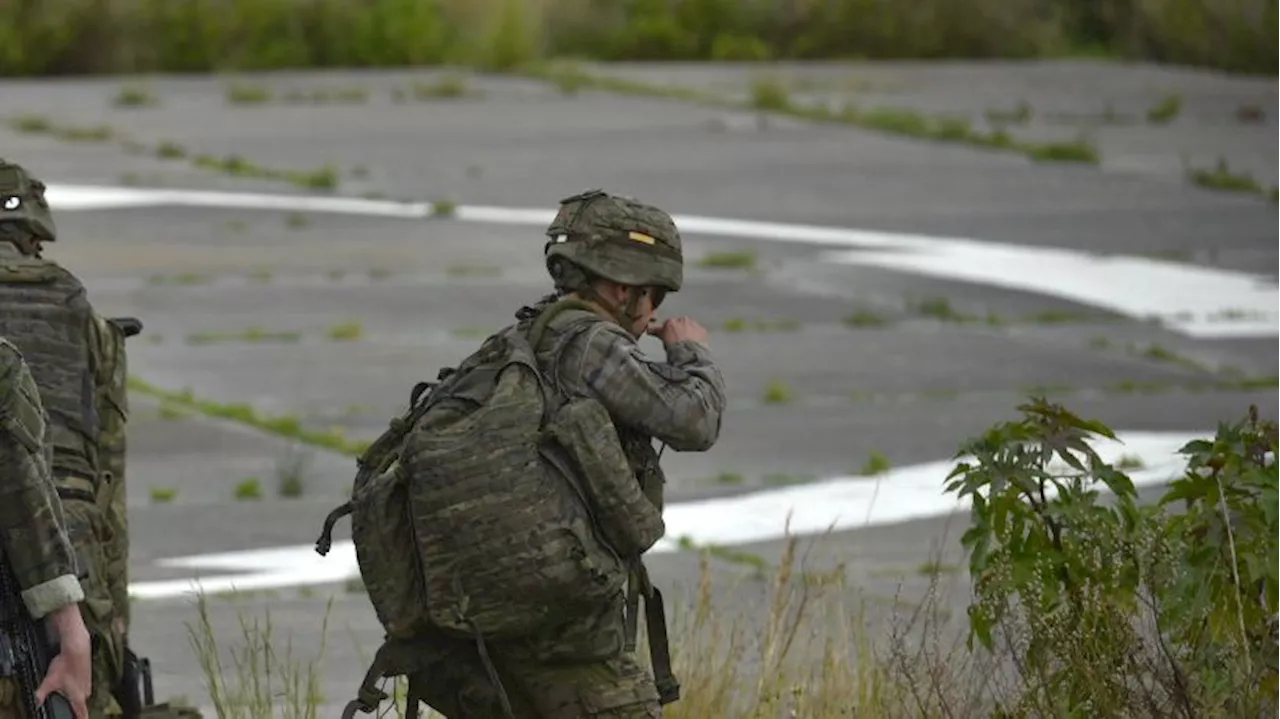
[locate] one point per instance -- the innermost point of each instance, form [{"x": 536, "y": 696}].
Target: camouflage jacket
[
  {"x": 678, "y": 402},
  {"x": 108, "y": 369},
  {"x": 32, "y": 526}
]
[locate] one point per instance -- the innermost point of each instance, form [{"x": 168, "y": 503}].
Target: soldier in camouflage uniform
[
  {"x": 622, "y": 257},
  {"x": 77, "y": 358},
  {"x": 33, "y": 534}
]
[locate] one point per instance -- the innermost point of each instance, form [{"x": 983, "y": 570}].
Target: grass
[
  {"x": 133, "y": 96},
  {"x": 238, "y": 93},
  {"x": 740, "y": 260},
  {"x": 448, "y": 87},
  {"x": 256, "y": 677},
  {"x": 739, "y": 324},
  {"x": 444, "y": 208},
  {"x": 182, "y": 278},
  {"x": 346, "y": 331},
  {"x": 287, "y": 426},
  {"x": 1166, "y": 111},
  {"x": 252, "y": 335},
  {"x": 778, "y": 392},
  {"x": 162, "y": 495},
  {"x": 876, "y": 464},
  {"x": 864, "y": 318},
  {"x": 1222, "y": 177},
  {"x": 473, "y": 271},
  {"x": 325, "y": 177},
  {"x": 248, "y": 489},
  {"x": 291, "y": 473}
]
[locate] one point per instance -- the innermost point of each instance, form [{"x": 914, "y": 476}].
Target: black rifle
[
  {"x": 130, "y": 326},
  {"x": 134, "y": 691},
  {"x": 27, "y": 647}
]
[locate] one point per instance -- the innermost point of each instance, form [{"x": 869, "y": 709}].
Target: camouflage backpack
[
  {"x": 45, "y": 312},
  {"x": 475, "y": 514}
]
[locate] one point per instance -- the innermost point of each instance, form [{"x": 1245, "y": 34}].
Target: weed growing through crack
[
  {"x": 1166, "y": 111},
  {"x": 740, "y": 260},
  {"x": 133, "y": 96},
  {"x": 1222, "y": 177},
  {"x": 162, "y": 495},
  {"x": 287, "y": 426},
  {"x": 170, "y": 151},
  {"x": 877, "y": 463},
  {"x": 864, "y": 318},
  {"x": 291, "y": 472},
  {"x": 238, "y": 93},
  {"x": 769, "y": 93},
  {"x": 447, "y": 87},
  {"x": 739, "y": 324},
  {"x": 346, "y": 331},
  {"x": 248, "y": 489},
  {"x": 473, "y": 271},
  {"x": 778, "y": 392},
  {"x": 1019, "y": 115}
]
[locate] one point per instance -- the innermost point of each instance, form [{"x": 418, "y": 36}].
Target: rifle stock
[{"x": 130, "y": 326}]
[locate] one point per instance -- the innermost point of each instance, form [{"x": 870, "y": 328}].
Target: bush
[
  {"x": 47, "y": 37},
  {"x": 1122, "y": 609}
]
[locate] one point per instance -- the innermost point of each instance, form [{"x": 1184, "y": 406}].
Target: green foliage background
[{"x": 57, "y": 37}]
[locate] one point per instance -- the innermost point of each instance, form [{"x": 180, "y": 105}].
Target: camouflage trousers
[
  {"x": 457, "y": 685},
  {"x": 85, "y": 528}
]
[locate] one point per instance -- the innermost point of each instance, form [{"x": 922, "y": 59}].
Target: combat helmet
[
  {"x": 618, "y": 239},
  {"x": 22, "y": 202}
]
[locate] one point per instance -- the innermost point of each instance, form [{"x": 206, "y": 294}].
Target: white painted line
[
  {"x": 904, "y": 494},
  {"x": 1192, "y": 300}
]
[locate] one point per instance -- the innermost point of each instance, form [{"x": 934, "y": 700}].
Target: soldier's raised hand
[{"x": 679, "y": 329}]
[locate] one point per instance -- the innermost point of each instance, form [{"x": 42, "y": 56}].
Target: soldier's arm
[
  {"x": 678, "y": 402},
  {"x": 32, "y": 525}
]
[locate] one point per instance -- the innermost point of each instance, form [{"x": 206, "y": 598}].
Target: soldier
[
  {"x": 34, "y": 538},
  {"x": 622, "y": 258},
  {"x": 77, "y": 360}
]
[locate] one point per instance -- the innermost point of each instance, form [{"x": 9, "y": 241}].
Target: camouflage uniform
[
  {"x": 32, "y": 526},
  {"x": 81, "y": 378},
  {"x": 678, "y": 402}
]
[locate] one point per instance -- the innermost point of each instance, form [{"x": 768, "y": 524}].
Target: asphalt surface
[{"x": 422, "y": 291}]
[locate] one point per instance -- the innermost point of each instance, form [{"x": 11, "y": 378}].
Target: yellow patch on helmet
[{"x": 641, "y": 237}]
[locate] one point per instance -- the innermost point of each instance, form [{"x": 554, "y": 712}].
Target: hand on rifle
[{"x": 70, "y": 673}]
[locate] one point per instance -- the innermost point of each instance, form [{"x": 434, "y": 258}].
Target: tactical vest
[
  {"x": 637, "y": 446},
  {"x": 45, "y": 312}
]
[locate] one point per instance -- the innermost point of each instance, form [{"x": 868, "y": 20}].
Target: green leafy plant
[{"x": 1115, "y": 607}]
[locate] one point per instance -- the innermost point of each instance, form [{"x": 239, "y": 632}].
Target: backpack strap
[{"x": 655, "y": 621}]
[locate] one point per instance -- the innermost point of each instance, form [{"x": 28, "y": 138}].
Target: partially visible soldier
[
  {"x": 36, "y": 547},
  {"x": 621, "y": 257},
  {"x": 77, "y": 360}
]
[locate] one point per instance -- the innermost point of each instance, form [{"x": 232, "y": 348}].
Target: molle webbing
[{"x": 45, "y": 313}]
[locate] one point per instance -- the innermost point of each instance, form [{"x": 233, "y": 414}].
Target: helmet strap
[
  {"x": 26, "y": 242},
  {"x": 624, "y": 314}
]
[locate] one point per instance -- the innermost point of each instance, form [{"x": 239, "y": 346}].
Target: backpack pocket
[
  {"x": 625, "y": 518},
  {"x": 386, "y": 550}
]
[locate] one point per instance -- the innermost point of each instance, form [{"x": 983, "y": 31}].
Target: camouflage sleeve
[
  {"x": 678, "y": 402},
  {"x": 108, "y": 343},
  {"x": 31, "y": 522}
]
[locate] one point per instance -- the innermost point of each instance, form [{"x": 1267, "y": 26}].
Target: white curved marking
[
  {"x": 1192, "y": 300},
  {"x": 904, "y": 494}
]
